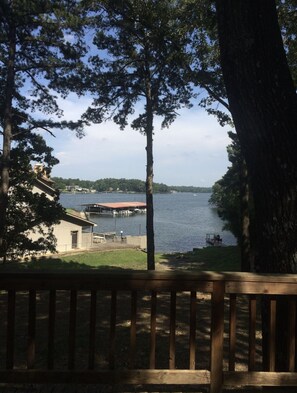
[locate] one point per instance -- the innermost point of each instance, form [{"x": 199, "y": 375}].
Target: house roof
[
  {"x": 77, "y": 219},
  {"x": 45, "y": 186},
  {"x": 70, "y": 215}
]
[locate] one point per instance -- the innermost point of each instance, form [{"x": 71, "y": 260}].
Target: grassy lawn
[
  {"x": 217, "y": 258},
  {"x": 209, "y": 258}
]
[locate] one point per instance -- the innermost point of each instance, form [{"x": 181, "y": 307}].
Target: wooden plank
[
  {"x": 235, "y": 283},
  {"x": 202, "y": 281},
  {"x": 10, "y": 328},
  {"x": 152, "y": 281},
  {"x": 152, "y": 364},
  {"x": 258, "y": 288},
  {"x": 217, "y": 337},
  {"x": 172, "y": 327},
  {"x": 192, "y": 343},
  {"x": 292, "y": 334},
  {"x": 112, "y": 332},
  {"x": 122, "y": 377},
  {"x": 133, "y": 328},
  {"x": 272, "y": 335},
  {"x": 252, "y": 331},
  {"x": 51, "y": 329},
  {"x": 92, "y": 330},
  {"x": 31, "y": 329},
  {"x": 232, "y": 331},
  {"x": 72, "y": 329},
  {"x": 259, "y": 378}
]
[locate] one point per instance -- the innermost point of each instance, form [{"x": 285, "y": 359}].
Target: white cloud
[{"x": 191, "y": 152}]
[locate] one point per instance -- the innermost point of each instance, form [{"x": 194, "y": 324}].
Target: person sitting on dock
[{"x": 218, "y": 239}]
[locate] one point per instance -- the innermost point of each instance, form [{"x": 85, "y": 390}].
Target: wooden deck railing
[{"x": 141, "y": 328}]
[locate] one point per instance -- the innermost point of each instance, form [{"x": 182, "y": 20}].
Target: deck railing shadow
[{"x": 141, "y": 328}]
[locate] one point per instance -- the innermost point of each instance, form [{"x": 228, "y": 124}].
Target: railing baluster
[
  {"x": 92, "y": 337},
  {"x": 193, "y": 330},
  {"x": 72, "y": 329},
  {"x": 232, "y": 331},
  {"x": 31, "y": 329},
  {"x": 51, "y": 329},
  {"x": 113, "y": 316},
  {"x": 10, "y": 329},
  {"x": 217, "y": 336},
  {"x": 172, "y": 330},
  {"x": 252, "y": 331},
  {"x": 292, "y": 334},
  {"x": 153, "y": 330},
  {"x": 272, "y": 334},
  {"x": 133, "y": 328}
]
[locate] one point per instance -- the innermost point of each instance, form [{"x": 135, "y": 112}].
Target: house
[{"x": 74, "y": 231}]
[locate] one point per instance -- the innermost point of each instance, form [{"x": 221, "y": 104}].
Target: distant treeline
[{"x": 120, "y": 185}]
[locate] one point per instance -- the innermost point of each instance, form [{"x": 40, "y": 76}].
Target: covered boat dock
[{"x": 116, "y": 208}]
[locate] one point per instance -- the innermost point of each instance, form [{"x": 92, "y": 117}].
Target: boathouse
[{"x": 116, "y": 208}]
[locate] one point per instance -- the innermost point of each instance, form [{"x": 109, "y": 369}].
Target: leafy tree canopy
[
  {"x": 30, "y": 211},
  {"x": 140, "y": 45},
  {"x": 139, "y": 72},
  {"x": 226, "y": 191},
  {"x": 40, "y": 41},
  {"x": 125, "y": 185}
]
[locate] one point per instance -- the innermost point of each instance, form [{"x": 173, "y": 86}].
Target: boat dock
[
  {"x": 213, "y": 239},
  {"x": 116, "y": 208}
]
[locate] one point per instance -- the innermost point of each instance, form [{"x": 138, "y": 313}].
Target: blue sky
[{"x": 191, "y": 152}]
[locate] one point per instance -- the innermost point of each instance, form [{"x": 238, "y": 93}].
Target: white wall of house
[
  {"x": 70, "y": 236},
  {"x": 37, "y": 190},
  {"x": 87, "y": 240}
]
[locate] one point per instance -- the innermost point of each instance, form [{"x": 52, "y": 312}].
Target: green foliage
[
  {"x": 37, "y": 31},
  {"x": 226, "y": 191},
  {"x": 141, "y": 56},
  {"x": 140, "y": 71},
  {"x": 190, "y": 189},
  {"x": 28, "y": 211},
  {"x": 124, "y": 185},
  {"x": 40, "y": 41}
]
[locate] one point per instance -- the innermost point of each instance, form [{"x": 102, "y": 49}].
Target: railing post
[{"x": 217, "y": 337}]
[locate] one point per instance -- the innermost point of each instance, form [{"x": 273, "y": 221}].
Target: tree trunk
[
  {"x": 245, "y": 239},
  {"x": 7, "y": 138},
  {"x": 149, "y": 188},
  {"x": 263, "y": 104}
]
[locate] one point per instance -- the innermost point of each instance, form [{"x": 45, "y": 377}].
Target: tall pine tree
[
  {"x": 140, "y": 63},
  {"x": 39, "y": 41}
]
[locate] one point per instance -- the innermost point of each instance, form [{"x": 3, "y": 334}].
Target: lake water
[{"x": 181, "y": 220}]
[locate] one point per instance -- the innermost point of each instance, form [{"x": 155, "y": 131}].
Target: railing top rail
[
  {"x": 152, "y": 275},
  {"x": 235, "y": 282}
]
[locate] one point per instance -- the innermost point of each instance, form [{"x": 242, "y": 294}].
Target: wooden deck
[{"x": 142, "y": 328}]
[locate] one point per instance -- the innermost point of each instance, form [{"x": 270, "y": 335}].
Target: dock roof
[{"x": 119, "y": 205}]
